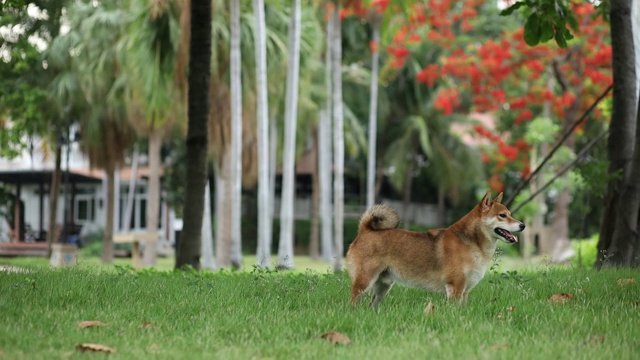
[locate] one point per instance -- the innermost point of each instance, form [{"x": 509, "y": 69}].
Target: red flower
[{"x": 429, "y": 75}]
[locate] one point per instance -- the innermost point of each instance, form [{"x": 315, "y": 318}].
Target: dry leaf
[
  {"x": 336, "y": 338},
  {"x": 496, "y": 347},
  {"x": 94, "y": 347},
  {"x": 511, "y": 309},
  {"x": 430, "y": 308},
  {"x": 623, "y": 282},
  {"x": 596, "y": 339},
  {"x": 500, "y": 316},
  {"x": 90, "y": 323},
  {"x": 146, "y": 324},
  {"x": 560, "y": 298}
]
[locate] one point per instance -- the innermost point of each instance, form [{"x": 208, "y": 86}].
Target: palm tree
[
  {"x": 263, "y": 253},
  {"x": 197, "y": 136},
  {"x": 95, "y": 87},
  {"x": 285, "y": 248},
  {"x": 151, "y": 53}
]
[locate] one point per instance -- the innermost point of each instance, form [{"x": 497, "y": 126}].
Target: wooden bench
[{"x": 135, "y": 239}]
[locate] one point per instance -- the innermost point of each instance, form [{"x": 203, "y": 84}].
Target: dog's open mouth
[{"x": 507, "y": 235}]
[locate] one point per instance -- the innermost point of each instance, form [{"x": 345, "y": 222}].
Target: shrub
[{"x": 586, "y": 251}]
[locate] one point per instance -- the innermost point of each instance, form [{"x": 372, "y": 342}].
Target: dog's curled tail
[{"x": 379, "y": 217}]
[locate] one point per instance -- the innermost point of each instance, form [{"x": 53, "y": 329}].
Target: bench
[{"x": 135, "y": 239}]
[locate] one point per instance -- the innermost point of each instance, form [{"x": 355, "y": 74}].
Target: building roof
[{"x": 42, "y": 176}]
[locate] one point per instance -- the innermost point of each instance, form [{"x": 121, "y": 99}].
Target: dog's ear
[
  {"x": 498, "y": 198},
  {"x": 486, "y": 201}
]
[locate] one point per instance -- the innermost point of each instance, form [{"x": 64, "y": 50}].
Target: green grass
[{"x": 269, "y": 315}]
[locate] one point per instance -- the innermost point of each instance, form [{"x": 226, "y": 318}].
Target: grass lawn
[{"x": 270, "y": 315}]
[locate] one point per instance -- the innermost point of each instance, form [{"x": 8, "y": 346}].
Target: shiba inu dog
[{"x": 451, "y": 260}]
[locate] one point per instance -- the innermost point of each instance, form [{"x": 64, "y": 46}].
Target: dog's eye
[{"x": 504, "y": 216}]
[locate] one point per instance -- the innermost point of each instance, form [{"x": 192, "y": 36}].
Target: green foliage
[
  {"x": 546, "y": 20},
  {"x": 270, "y": 314},
  {"x": 541, "y": 130},
  {"x": 586, "y": 251}
]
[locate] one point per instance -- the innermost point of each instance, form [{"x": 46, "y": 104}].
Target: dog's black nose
[{"x": 522, "y": 226}]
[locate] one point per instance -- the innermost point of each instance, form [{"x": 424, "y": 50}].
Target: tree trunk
[
  {"x": 622, "y": 127},
  {"x": 153, "y": 197},
  {"x": 107, "y": 242},
  {"x": 338, "y": 123},
  {"x": 131, "y": 193},
  {"x": 442, "y": 210},
  {"x": 324, "y": 183},
  {"x": 236, "y": 138},
  {"x": 285, "y": 246},
  {"x": 406, "y": 197},
  {"x": 263, "y": 253},
  {"x": 314, "y": 241},
  {"x": 54, "y": 193},
  {"x": 207, "y": 239},
  {"x": 325, "y": 153},
  {"x": 197, "y": 134},
  {"x": 373, "y": 114},
  {"x": 223, "y": 215}
]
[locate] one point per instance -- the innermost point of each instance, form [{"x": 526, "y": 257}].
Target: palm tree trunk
[
  {"x": 314, "y": 241},
  {"x": 53, "y": 199},
  {"x": 131, "y": 193},
  {"x": 236, "y": 137},
  {"x": 262, "y": 115},
  {"x": 406, "y": 198},
  {"x": 325, "y": 153},
  {"x": 223, "y": 215},
  {"x": 207, "y": 239},
  {"x": 153, "y": 196},
  {"x": 338, "y": 123},
  {"x": 197, "y": 135},
  {"x": 324, "y": 183},
  {"x": 373, "y": 116},
  {"x": 285, "y": 246},
  {"x": 107, "y": 242}
]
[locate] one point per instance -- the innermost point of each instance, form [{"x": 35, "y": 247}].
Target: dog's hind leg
[
  {"x": 364, "y": 279},
  {"x": 380, "y": 288}
]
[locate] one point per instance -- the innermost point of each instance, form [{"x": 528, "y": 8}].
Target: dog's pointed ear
[
  {"x": 498, "y": 199},
  {"x": 486, "y": 201}
]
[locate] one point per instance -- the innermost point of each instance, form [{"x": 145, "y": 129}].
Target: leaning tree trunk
[
  {"x": 285, "y": 247},
  {"x": 153, "y": 196},
  {"x": 197, "y": 133},
  {"x": 338, "y": 123},
  {"x": 622, "y": 127},
  {"x": 236, "y": 138},
  {"x": 53, "y": 200},
  {"x": 263, "y": 253}
]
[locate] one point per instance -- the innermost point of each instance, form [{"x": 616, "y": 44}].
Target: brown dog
[{"x": 451, "y": 260}]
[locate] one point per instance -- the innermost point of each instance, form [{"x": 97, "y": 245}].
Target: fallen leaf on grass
[
  {"x": 430, "y": 308},
  {"x": 146, "y": 324},
  {"x": 95, "y": 348},
  {"x": 624, "y": 282},
  {"x": 90, "y": 323},
  {"x": 560, "y": 298},
  {"x": 596, "y": 339},
  {"x": 500, "y": 316},
  {"x": 511, "y": 309},
  {"x": 336, "y": 338},
  {"x": 496, "y": 347}
]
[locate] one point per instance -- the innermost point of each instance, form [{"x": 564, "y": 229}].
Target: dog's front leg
[{"x": 455, "y": 292}]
